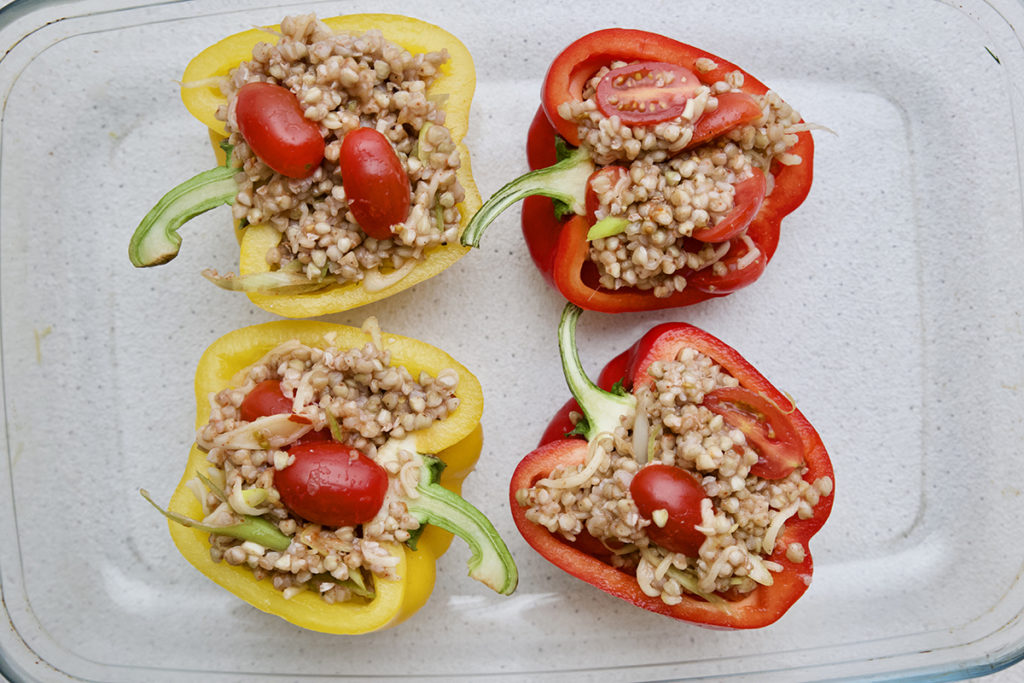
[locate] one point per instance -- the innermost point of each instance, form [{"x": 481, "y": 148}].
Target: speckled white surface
[{"x": 891, "y": 312}]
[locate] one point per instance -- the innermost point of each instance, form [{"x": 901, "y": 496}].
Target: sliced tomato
[
  {"x": 747, "y": 200},
  {"x": 643, "y": 93},
  {"x": 613, "y": 175},
  {"x": 266, "y": 398},
  {"x": 734, "y": 109},
  {"x": 768, "y": 430},
  {"x": 740, "y": 269}
]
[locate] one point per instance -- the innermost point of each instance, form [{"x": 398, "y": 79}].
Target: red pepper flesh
[
  {"x": 762, "y": 606},
  {"x": 558, "y": 246}
]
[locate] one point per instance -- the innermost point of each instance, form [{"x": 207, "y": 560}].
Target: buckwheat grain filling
[
  {"x": 344, "y": 81},
  {"x": 372, "y": 402},
  {"x": 741, "y": 518},
  {"x": 672, "y": 191}
]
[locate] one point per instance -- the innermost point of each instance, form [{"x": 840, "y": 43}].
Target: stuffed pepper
[
  {"x": 688, "y": 486},
  {"x": 324, "y": 481},
  {"x": 661, "y": 174},
  {"x": 342, "y": 159}
]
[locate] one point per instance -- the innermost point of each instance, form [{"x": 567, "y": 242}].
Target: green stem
[
  {"x": 255, "y": 529},
  {"x": 490, "y": 561},
  {"x": 601, "y": 409},
  {"x": 565, "y": 181},
  {"x": 156, "y": 240}
]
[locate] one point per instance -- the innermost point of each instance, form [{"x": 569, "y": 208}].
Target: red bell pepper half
[
  {"x": 588, "y": 559},
  {"x": 561, "y": 170}
]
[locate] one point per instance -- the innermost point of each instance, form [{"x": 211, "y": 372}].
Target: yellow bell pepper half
[
  {"x": 456, "y": 440},
  {"x": 455, "y": 85}
]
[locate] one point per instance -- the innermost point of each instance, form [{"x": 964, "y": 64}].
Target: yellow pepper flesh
[
  {"x": 455, "y": 84},
  {"x": 457, "y": 440}
]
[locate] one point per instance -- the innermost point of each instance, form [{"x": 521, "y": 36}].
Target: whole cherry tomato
[
  {"x": 271, "y": 121},
  {"x": 644, "y": 93},
  {"x": 677, "y": 492},
  {"x": 332, "y": 484},
  {"x": 376, "y": 185},
  {"x": 769, "y": 432}
]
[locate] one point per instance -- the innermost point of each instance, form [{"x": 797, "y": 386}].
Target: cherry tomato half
[
  {"x": 332, "y": 484},
  {"x": 677, "y": 492},
  {"x": 266, "y": 398},
  {"x": 376, "y": 185},
  {"x": 646, "y": 92},
  {"x": 271, "y": 121},
  {"x": 613, "y": 175},
  {"x": 735, "y": 277},
  {"x": 768, "y": 430},
  {"x": 747, "y": 199}
]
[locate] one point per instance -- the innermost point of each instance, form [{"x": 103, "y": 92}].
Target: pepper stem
[
  {"x": 565, "y": 181},
  {"x": 490, "y": 561},
  {"x": 601, "y": 409},
  {"x": 156, "y": 240}
]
